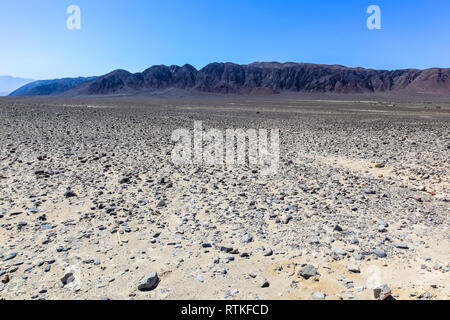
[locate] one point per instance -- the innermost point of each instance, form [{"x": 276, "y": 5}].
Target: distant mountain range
[
  {"x": 255, "y": 78},
  {"x": 48, "y": 87},
  {"x": 9, "y": 84}
]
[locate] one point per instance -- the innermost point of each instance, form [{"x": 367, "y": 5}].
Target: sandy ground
[{"x": 377, "y": 167}]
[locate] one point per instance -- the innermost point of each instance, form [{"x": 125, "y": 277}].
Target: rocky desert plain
[{"x": 92, "y": 206}]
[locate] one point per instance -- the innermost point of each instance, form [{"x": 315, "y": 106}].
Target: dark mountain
[
  {"x": 266, "y": 78},
  {"x": 124, "y": 82},
  {"x": 48, "y": 87}
]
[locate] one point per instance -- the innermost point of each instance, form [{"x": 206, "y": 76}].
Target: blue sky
[{"x": 133, "y": 35}]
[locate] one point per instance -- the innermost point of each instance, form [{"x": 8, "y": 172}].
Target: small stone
[
  {"x": 161, "y": 204},
  {"x": 69, "y": 193},
  {"x": 382, "y": 292},
  {"x": 5, "y": 279},
  {"x": 286, "y": 219},
  {"x": 354, "y": 268},
  {"x": 149, "y": 282},
  {"x": 267, "y": 252},
  {"x": 380, "y": 253},
  {"x": 124, "y": 180},
  {"x": 358, "y": 256},
  {"x": 225, "y": 249},
  {"x": 246, "y": 238},
  {"x": 401, "y": 245},
  {"x": 340, "y": 251},
  {"x": 67, "y": 278},
  {"x": 264, "y": 283},
  {"x": 307, "y": 271},
  {"x": 380, "y": 165},
  {"x": 10, "y": 256}
]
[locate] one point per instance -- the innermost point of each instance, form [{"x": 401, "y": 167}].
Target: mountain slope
[
  {"x": 124, "y": 82},
  {"x": 268, "y": 77},
  {"x": 9, "y": 84},
  {"x": 48, "y": 87}
]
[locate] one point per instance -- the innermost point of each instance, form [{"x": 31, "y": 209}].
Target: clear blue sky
[{"x": 134, "y": 35}]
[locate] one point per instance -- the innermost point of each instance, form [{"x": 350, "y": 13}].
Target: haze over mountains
[
  {"x": 48, "y": 87},
  {"x": 9, "y": 84},
  {"x": 258, "y": 78}
]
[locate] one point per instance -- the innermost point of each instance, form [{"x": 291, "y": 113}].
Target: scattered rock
[
  {"x": 382, "y": 292},
  {"x": 246, "y": 238},
  {"x": 353, "y": 268},
  {"x": 149, "y": 282},
  {"x": 380, "y": 253},
  {"x": 10, "y": 256},
  {"x": 307, "y": 271},
  {"x": 67, "y": 278},
  {"x": 340, "y": 251},
  {"x": 69, "y": 193},
  {"x": 5, "y": 279},
  {"x": 401, "y": 245}
]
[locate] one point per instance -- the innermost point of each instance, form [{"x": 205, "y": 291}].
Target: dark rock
[
  {"x": 67, "y": 278},
  {"x": 69, "y": 193},
  {"x": 124, "y": 180},
  {"x": 149, "y": 282}
]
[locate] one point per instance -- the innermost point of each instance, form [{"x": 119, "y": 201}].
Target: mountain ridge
[
  {"x": 264, "y": 78},
  {"x": 269, "y": 77}
]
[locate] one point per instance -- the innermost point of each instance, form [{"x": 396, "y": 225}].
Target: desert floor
[{"x": 359, "y": 178}]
